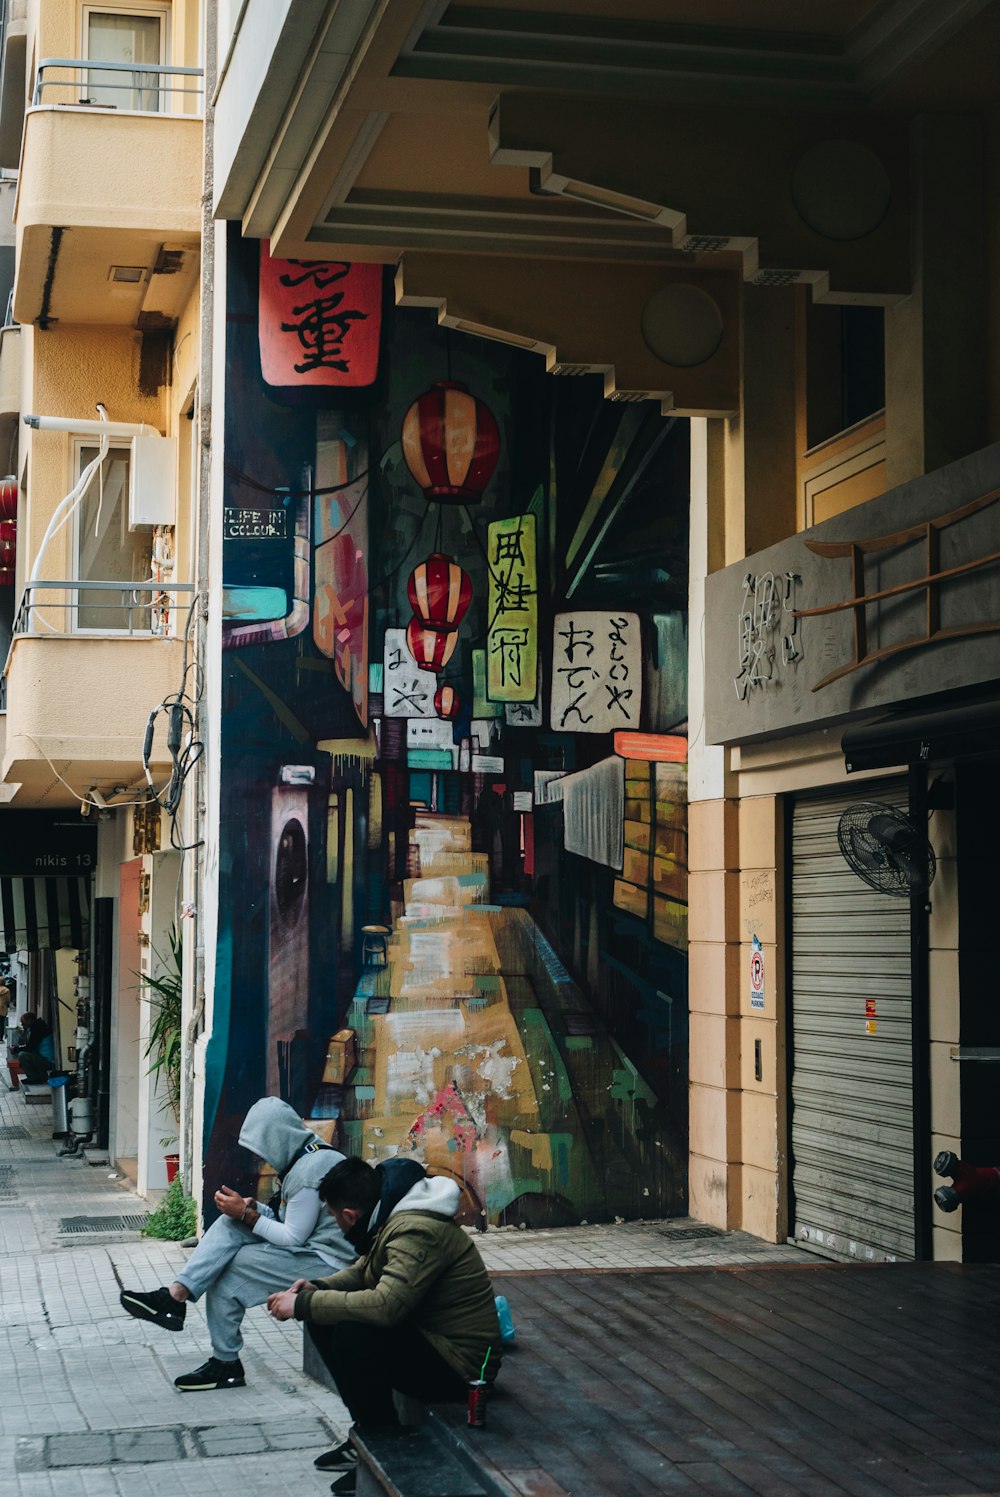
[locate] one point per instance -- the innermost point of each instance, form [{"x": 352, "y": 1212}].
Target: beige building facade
[{"x": 102, "y": 123}]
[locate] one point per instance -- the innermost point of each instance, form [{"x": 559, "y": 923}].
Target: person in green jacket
[{"x": 415, "y": 1313}]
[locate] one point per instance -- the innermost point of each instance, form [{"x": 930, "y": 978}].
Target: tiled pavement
[{"x": 86, "y": 1393}]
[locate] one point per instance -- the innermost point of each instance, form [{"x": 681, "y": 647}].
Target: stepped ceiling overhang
[{"x": 590, "y": 133}]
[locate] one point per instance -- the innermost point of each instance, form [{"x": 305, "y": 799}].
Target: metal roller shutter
[{"x": 852, "y": 1088}]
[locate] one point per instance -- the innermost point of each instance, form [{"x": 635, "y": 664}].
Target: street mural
[{"x": 453, "y": 863}]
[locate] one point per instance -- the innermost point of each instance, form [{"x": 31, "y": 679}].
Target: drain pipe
[{"x": 196, "y": 1022}]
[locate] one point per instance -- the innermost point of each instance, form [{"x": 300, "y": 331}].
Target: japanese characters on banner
[
  {"x": 407, "y": 690},
  {"x": 512, "y": 636},
  {"x": 320, "y": 322},
  {"x": 596, "y": 671}
]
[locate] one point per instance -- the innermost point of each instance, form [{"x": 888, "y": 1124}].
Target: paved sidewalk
[{"x": 88, "y": 1398}]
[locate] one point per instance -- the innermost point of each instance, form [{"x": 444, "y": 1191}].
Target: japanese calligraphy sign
[
  {"x": 407, "y": 690},
  {"x": 512, "y": 637},
  {"x": 482, "y": 707},
  {"x": 596, "y": 671},
  {"x": 320, "y": 322}
]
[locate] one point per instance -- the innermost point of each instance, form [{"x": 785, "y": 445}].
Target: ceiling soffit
[
  {"x": 816, "y": 197},
  {"x": 424, "y": 59},
  {"x": 669, "y": 333},
  {"x": 832, "y": 54}
]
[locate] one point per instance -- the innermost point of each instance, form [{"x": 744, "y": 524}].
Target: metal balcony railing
[
  {"x": 141, "y": 609},
  {"x": 150, "y": 89}
]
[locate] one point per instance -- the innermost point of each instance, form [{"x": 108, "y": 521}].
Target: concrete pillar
[
  {"x": 712, "y": 879},
  {"x": 937, "y": 339},
  {"x": 762, "y": 1077},
  {"x": 946, "y": 1124}
]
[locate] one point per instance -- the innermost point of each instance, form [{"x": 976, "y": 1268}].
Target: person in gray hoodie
[{"x": 251, "y": 1250}]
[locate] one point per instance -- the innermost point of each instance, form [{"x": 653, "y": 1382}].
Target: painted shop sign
[
  {"x": 35, "y": 843},
  {"x": 320, "y": 322},
  {"x": 254, "y": 522},
  {"x": 512, "y": 636},
  {"x": 596, "y": 671},
  {"x": 408, "y": 691}
]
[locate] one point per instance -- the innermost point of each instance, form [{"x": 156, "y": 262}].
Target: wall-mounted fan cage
[{"x": 883, "y": 847}]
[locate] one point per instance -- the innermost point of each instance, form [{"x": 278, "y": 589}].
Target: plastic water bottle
[{"x": 508, "y": 1335}]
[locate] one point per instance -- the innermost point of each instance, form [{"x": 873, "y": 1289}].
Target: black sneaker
[
  {"x": 159, "y": 1307},
  {"x": 346, "y": 1484},
  {"x": 947, "y": 1198},
  {"x": 946, "y": 1163},
  {"x": 211, "y": 1375},
  {"x": 344, "y": 1458}
]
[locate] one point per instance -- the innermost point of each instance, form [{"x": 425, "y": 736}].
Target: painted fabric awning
[
  {"x": 594, "y": 812},
  {"x": 44, "y": 914}
]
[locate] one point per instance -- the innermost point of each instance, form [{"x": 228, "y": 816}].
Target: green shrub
[{"x": 175, "y": 1218}]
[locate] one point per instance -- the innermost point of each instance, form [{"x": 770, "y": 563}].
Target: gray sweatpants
[{"x": 235, "y": 1270}]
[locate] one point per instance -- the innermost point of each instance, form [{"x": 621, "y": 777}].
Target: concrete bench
[
  {"x": 419, "y": 1462},
  {"x": 421, "y": 1459}
]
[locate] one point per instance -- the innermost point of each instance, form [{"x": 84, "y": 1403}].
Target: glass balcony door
[
  {"x": 136, "y": 37},
  {"x": 107, "y": 551}
]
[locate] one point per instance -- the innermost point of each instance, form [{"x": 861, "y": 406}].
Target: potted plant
[{"x": 164, "y": 1048}]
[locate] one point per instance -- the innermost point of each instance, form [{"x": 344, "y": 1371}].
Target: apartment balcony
[
  {"x": 108, "y": 211},
  {"x": 10, "y": 388},
  {"x": 78, "y": 698},
  {"x": 12, "y": 67}
]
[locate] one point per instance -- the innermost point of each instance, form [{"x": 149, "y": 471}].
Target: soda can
[{"x": 477, "y": 1404}]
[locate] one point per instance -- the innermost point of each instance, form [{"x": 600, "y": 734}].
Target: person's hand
[
  {"x": 299, "y": 1284},
  {"x": 230, "y": 1203},
  {"x": 282, "y": 1305}
]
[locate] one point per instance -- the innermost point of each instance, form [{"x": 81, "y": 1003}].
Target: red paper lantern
[
  {"x": 439, "y": 591},
  {"x": 430, "y": 648},
  {"x": 450, "y": 443},
  {"x": 8, "y": 498},
  {"x": 446, "y": 702}
]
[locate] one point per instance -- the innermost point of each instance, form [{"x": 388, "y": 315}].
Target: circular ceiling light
[
  {"x": 682, "y": 325},
  {"x": 840, "y": 189}
]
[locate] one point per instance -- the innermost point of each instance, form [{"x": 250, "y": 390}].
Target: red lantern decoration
[
  {"x": 446, "y": 702},
  {"x": 450, "y": 443},
  {"x": 439, "y": 591},
  {"x": 430, "y": 648},
  {"x": 8, "y": 498}
]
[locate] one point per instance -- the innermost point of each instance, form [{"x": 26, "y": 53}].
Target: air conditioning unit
[{"x": 152, "y": 494}]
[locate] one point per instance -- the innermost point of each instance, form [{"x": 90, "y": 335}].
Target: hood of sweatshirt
[
  {"x": 274, "y": 1131},
  {"x": 405, "y": 1186},
  {"x": 439, "y": 1195}
]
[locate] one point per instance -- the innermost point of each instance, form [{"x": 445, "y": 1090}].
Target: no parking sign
[{"x": 756, "y": 975}]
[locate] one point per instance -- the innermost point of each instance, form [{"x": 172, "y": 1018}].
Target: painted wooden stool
[{"x": 375, "y": 945}]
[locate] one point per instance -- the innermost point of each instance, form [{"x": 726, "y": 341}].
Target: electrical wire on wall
[{"x": 183, "y": 744}]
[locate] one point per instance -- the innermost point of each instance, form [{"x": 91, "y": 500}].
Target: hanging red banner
[{"x": 320, "y": 322}]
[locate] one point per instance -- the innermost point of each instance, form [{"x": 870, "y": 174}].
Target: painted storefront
[{"x": 453, "y": 840}]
